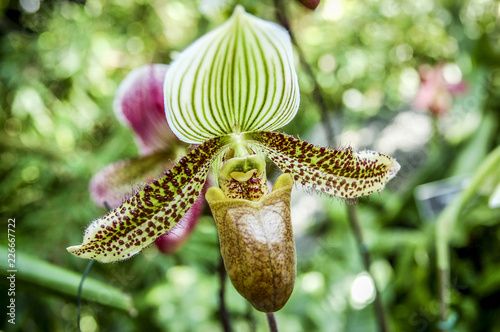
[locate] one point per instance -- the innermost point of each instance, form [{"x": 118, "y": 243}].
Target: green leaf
[
  {"x": 238, "y": 78},
  {"x": 151, "y": 212},
  {"x": 51, "y": 277},
  {"x": 342, "y": 173}
]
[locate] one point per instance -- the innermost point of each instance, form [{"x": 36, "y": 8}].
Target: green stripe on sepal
[
  {"x": 342, "y": 173},
  {"x": 151, "y": 212},
  {"x": 238, "y": 78}
]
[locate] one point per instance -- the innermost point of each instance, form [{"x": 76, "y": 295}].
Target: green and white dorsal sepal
[{"x": 240, "y": 77}]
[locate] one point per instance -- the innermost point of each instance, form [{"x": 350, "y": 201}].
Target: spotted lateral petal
[
  {"x": 342, "y": 173},
  {"x": 238, "y": 78},
  {"x": 151, "y": 212},
  {"x": 172, "y": 241}
]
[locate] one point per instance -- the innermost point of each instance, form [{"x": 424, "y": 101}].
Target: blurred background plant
[{"x": 61, "y": 64}]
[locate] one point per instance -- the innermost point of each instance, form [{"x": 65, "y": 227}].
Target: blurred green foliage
[{"x": 61, "y": 62}]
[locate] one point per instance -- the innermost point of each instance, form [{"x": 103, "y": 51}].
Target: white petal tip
[
  {"x": 238, "y": 10},
  {"x": 393, "y": 169},
  {"x": 74, "y": 250}
]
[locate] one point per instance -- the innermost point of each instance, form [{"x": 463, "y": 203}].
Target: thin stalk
[
  {"x": 282, "y": 18},
  {"x": 224, "y": 315},
  {"x": 367, "y": 262},
  {"x": 271, "y": 320},
  {"x": 80, "y": 287},
  {"x": 318, "y": 94},
  {"x": 445, "y": 224},
  {"x": 444, "y": 298}
]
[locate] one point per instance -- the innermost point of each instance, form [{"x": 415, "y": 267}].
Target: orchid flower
[
  {"x": 436, "y": 92},
  {"x": 139, "y": 104},
  {"x": 228, "y": 92}
]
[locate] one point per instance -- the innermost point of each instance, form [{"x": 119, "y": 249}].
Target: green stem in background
[
  {"x": 367, "y": 262},
  {"x": 271, "y": 320},
  {"x": 445, "y": 224},
  {"x": 282, "y": 18},
  {"x": 224, "y": 315},
  {"x": 80, "y": 287}
]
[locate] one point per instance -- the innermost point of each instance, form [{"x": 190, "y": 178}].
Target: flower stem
[
  {"x": 282, "y": 18},
  {"x": 80, "y": 287},
  {"x": 367, "y": 262},
  {"x": 444, "y": 299},
  {"x": 271, "y": 320},
  {"x": 224, "y": 315}
]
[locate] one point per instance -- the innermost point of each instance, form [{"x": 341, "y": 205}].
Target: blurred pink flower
[
  {"x": 139, "y": 104},
  {"x": 436, "y": 93}
]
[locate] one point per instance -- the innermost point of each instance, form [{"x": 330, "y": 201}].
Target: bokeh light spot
[
  {"x": 30, "y": 174},
  {"x": 353, "y": 99},
  {"x": 312, "y": 282},
  {"x": 362, "y": 291},
  {"x": 30, "y": 6},
  {"x": 327, "y": 63},
  {"x": 452, "y": 73},
  {"x": 88, "y": 324},
  {"x": 333, "y": 10}
]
